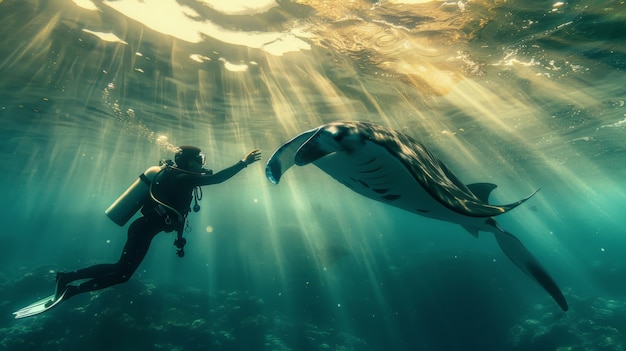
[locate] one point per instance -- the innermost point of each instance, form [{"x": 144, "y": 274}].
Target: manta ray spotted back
[{"x": 393, "y": 168}]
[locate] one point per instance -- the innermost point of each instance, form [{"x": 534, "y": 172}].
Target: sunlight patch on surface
[
  {"x": 86, "y": 4},
  {"x": 233, "y": 67},
  {"x": 182, "y": 22},
  {"x": 240, "y": 7},
  {"x": 412, "y": 2},
  {"x": 108, "y": 37},
  {"x": 199, "y": 58},
  {"x": 417, "y": 42}
]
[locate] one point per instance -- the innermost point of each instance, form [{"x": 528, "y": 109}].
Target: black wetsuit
[{"x": 172, "y": 187}]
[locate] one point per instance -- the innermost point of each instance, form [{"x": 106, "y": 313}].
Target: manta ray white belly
[{"x": 370, "y": 172}]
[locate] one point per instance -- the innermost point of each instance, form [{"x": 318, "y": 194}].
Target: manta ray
[{"x": 388, "y": 166}]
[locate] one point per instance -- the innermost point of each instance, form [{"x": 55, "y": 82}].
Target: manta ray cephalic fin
[{"x": 284, "y": 157}]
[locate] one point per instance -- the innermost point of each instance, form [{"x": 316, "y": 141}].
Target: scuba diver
[{"x": 164, "y": 195}]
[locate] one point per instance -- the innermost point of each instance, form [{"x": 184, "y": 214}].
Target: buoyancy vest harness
[{"x": 161, "y": 209}]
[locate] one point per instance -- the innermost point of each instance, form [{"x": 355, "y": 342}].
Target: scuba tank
[{"x": 125, "y": 207}]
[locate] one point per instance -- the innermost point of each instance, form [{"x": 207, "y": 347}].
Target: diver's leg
[{"x": 140, "y": 235}]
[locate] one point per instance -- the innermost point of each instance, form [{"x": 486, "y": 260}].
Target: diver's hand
[{"x": 252, "y": 157}]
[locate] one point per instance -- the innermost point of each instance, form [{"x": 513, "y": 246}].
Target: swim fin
[{"x": 40, "y": 306}]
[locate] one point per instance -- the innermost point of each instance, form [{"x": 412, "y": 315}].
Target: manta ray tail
[{"x": 522, "y": 258}]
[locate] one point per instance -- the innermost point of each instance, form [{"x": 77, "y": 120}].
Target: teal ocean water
[{"x": 522, "y": 94}]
